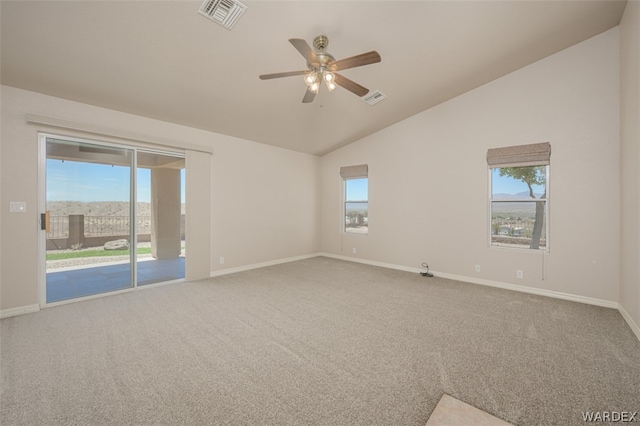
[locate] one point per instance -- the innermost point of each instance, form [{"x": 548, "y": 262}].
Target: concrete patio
[{"x": 89, "y": 280}]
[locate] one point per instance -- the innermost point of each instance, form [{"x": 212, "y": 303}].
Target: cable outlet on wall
[
  {"x": 519, "y": 274},
  {"x": 477, "y": 268},
  {"x": 354, "y": 250},
  {"x": 222, "y": 260}
]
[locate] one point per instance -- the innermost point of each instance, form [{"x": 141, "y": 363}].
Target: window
[
  {"x": 519, "y": 196},
  {"x": 356, "y": 206},
  {"x": 356, "y": 199}
]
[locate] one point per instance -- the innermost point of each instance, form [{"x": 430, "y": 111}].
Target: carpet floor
[{"x": 318, "y": 342}]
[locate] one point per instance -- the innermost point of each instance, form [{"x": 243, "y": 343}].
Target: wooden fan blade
[
  {"x": 282, "y": 74},
  {"x": 305, "y": 50},
  {"x": 350, "y": 85},
  {"x": 355, "y": 61},
  {"x": 309, "y": 96}
]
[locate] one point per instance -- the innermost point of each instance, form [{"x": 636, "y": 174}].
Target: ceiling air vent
[
  {"x": 224, "y": 12},
  {"x": 374, "y": 97}
]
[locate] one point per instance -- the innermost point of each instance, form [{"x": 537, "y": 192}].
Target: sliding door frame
[{"x": 42, "y": 243}]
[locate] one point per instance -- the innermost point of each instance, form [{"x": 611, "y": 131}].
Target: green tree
[
  {"x": 532, "y": 176},
  {"x": 496, "y": 228}
]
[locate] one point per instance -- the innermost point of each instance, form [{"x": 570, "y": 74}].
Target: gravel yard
[{"x": 80, "y": 261}]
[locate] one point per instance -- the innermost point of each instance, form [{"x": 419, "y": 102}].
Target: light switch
[{"x": 17, "y": 206}]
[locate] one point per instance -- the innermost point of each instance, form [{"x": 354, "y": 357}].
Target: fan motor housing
[{"x": 324, "y": 59}]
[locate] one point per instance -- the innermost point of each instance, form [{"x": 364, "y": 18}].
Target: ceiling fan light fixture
[
  {"x": 328, "y": 77},
  {"x": 322, "y": 66},
  {"x": 311, "y": 78}
]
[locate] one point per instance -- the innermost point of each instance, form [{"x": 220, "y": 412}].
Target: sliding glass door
[
  {"x": 161, "y": 243},
  {"x": 112, "y": 217}
]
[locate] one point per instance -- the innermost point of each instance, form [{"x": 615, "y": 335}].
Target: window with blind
[
  {"x": 356, "y": 198},
  {"x": 519, "y": 178}
]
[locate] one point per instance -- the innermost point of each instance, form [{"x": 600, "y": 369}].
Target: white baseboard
[
  {"x": 489, "y": 283},
  {"x": 371, "y": 262},
  {"x": 6, "y": 313},
  {"x": 533, "y": 290},
  {"x": 506, "y": 286},
  {"x": 261, "y": 265},
  {"x": 634, "y": 327}
]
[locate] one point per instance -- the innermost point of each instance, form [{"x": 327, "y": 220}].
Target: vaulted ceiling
[{"x": 161, "y": 59}]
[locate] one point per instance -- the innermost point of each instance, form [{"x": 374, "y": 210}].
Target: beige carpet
[{"x": 317, "y": 342}]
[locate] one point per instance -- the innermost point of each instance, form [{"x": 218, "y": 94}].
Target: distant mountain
[
  {"x": 514, "y": 209},
  {"x": 518, "y": 196},
  {"x": 97, "y": 208}
]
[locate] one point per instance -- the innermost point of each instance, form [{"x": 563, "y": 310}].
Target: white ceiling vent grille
[
  {"x": 224, "y": 12},
  {"x": 374, "y": 97}
]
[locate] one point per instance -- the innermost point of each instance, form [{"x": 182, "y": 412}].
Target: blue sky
[
  {"x": 78, "y": 181},
  {"x": 357, "y": 189},
  {"x": 508, "y": 185}
]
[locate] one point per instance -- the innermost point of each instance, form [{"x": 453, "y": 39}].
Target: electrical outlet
[
  {"x": 354, "y": 250},
  {"x": 477, "y": 268},
  {"x": 222, "y": 260},
  {"x": 519, "y": 274}
]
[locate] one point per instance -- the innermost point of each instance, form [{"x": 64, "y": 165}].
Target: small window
[
  {"x": 519, "y": 207},
  {"x": 356, "y": 205}
]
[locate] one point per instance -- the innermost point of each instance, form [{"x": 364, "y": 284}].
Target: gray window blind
[
  {"x": 537, "y": 154},
  {"x": 354, "y": 172}
]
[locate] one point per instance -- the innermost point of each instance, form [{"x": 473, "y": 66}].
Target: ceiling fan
[{"x": 322, "y": 66}]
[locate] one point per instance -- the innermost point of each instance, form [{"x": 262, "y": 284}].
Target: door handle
[{"x": 44, "y": 221}]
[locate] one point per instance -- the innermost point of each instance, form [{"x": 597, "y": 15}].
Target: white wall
[
  {"x": 630, "y": 160},
  {"x": 428, "y": 177},
  {"x": 428, "y": 181},
  {"x": 264, "y": 199},
  {"x": 265, "y": 204}
]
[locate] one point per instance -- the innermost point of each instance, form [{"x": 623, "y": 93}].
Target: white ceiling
[{"x": 163, "y": 60}]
